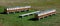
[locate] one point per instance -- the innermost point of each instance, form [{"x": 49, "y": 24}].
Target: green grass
[{"x": 14, "y": 20}]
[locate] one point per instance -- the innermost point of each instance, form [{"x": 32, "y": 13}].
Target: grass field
[{"x": 14, "y": 20}]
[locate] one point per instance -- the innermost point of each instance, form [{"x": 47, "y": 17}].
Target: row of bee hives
[
  {"x": 45, "y": 13},
  {"x": 16, "y": 9},
  {"x": 38, "y": 14}
]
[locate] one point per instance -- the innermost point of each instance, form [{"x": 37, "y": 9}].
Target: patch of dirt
[{"x": 1, "y": 24}]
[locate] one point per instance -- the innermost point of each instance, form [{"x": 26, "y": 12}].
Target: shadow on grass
[
  {"x": 36, "y": 19},
  {"x": 33, "y": 19},
  {"x": 3, "y": 13}
]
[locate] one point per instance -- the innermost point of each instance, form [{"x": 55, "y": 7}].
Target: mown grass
[{"x": 14, "y": 20}]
